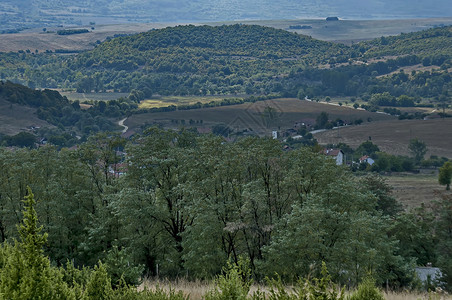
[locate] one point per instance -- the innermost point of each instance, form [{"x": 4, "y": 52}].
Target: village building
[{"x": 336, "y": 154}]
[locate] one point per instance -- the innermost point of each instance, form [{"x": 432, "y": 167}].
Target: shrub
[
  {"x": 233, "y": 284},
  {"x": 367, "y": 291}
]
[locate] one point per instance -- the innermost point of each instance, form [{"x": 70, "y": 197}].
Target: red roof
[{"x": 364, "y": 158}]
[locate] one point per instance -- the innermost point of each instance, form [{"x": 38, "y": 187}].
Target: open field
[
  {"x": 93, "y": 96},
  {"x": 346, "y": 31},
  {"x": 394, "y": 136},
  {"x": 15, "y": 118},
  {"x": 179, "y": 100},
  {"x": 36, "y": 39},
  {"x": 414, "y": 189},
  {"x": 249, "y": 115},
  {"x": 349, "y": 31}
]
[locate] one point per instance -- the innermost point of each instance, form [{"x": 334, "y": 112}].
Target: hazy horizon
[{"x": 16, "y": 14}]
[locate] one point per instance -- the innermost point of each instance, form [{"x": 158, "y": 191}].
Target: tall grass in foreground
[{"x": 196, "y": 290}]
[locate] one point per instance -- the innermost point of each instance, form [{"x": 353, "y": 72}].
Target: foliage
[
  {"x": 445, "y": 174},
  {"x": 306, "y": 289},
  {"x": 367, "y": 148},
  {"x": 385, "y": 162},
  {"x": 386, "y": 203},
  {"x": 443, "y": 229},
  {"x": 201, "y": 60},
  {"x": 119, "y": 268},
  {"x": 26, "y": 273},
  {"x": 57, "y": 110},
  {"x": 418, "y": 148},
  {"x": 22, "y": 139},
  {"x": 71, "y": 31},
  {"x": 188, "y": 203},
  {"x": 367, "y": 291},
  {"x": 233, "y": 284}
]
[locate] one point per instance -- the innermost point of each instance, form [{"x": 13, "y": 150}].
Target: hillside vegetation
[{"x": 239, "y": 59}]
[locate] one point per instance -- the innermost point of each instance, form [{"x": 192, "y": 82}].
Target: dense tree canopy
[{"x": 178, "y": 202}]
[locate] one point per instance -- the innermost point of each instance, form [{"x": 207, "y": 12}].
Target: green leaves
[{"x": 445, "y": 174}]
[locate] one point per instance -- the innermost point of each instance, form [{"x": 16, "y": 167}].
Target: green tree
[
  {"x": 443, "y": 229},
  {"x": 321, "y": 120},
  {"x": 418, "y": 149},
  {"x": 386, "y": 203},
  {"x": 367, "y": 148},
  {"x": 26, "y": 273},
  {"x": 445, "y": 174},
  {"x": 339, "y": 225}
]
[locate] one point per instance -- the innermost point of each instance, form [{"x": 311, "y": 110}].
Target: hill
[
  {"x": 16, "y": 118},
  {"x": 437, "y": 40},
  {"x": 345, "y": 31},
  {"x": 235, "y": 59},
  {"x": 24, "y": 107}
]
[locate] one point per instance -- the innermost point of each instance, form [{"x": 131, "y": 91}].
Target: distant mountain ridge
[{"x": 14, "y": 14}]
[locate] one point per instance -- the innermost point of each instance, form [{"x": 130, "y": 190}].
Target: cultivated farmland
[
  {"x": 393, "y": 136},
  {"x": 249, "y": 115}
]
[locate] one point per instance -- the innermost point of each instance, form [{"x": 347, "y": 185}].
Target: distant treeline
[{"x": 71, "y": 31}]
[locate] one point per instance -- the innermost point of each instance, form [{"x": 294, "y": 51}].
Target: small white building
[
  {"x": 275, "y": 134},
  {"x": 428, "y": 274},
  {"x": 336, "y": 154},
  {"x": 366, "y": 159}
]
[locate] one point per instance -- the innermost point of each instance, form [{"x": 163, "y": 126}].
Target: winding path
[{"x": 121, "y": 123}]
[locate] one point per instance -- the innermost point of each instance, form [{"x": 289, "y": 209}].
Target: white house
[
  {"x": 428, "y": 274},
  {"x": 366, "y": 159},
  {"x": 336, "y": 154}
]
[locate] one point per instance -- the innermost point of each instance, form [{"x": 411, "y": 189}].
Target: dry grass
[
  {"x": 178, "y": 100},
  {"x": 16, "y": 118},
  {"x": 194, "y": 289},
  {"x": 36, "y": 39},
  {"x": 197, "y": 289},
  {"x": 414, "y": 189},
  {"x": 416, "y": 296},
  {"x": 93, "y": 96},
  {"x": 393, "y": 136},
  {"x": 249, "y": 115}
]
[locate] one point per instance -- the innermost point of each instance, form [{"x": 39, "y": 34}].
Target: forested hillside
[
  {"x": 68, "y": 117},
  {"x": 239, "y": 59},
  {"x": 430, "y": 42}
]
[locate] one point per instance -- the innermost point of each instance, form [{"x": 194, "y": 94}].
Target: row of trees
[{"x": 187, "y": 204}]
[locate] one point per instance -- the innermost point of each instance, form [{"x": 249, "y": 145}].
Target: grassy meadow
[
  {"x": 412, "y": 190},
  {"x": 73, "y": 96},
  {"x": 179, "y": 100}
]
